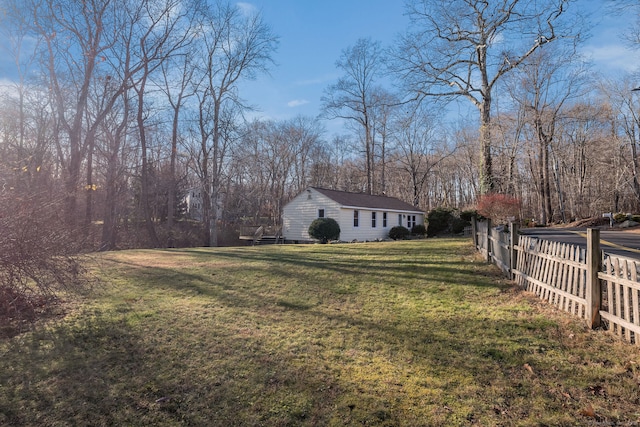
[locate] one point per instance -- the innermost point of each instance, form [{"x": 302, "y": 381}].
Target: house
[
  {"x": 360, "y": 216},
  {"x": 193, "y": 201}
]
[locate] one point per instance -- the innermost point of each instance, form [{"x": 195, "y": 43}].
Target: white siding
[
  {"x": 365, "y": 231},
  {"x": 303, "y": 209},
  {"x": 299, "y": 213}
]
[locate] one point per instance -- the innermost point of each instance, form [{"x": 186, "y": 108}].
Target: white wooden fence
[
  {"x": 601, "y": 288},
  {"x": 620, "y": 303}
]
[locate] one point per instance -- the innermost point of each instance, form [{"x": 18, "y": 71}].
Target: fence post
[
  {"x": 488, "y": 240},
  {"x": 513, "y": 253},
  {"x": 474, "y": 232},
  {"x": 593, "y": 291}
]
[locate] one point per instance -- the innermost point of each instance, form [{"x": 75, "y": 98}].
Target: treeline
[{"x": 119, "y": 109}]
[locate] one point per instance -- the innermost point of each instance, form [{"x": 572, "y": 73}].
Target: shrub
[
  {"x": 620, "y": 217},
  {"x": 37, "y": 257},
  {"x": 635, "y": 218},
  {"x": 398, "y": 232},
  {"x": 458, "y": 225},
  {"x": 468, "y": 214},
  {"x": 439, "y": 220},
  {"x": 419, "y": 230},
  {"x": 498, "y": 207},
  {"x": 324, "y": 229}
]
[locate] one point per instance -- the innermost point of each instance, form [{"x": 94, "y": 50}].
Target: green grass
[{"x": 389, "y": 334}]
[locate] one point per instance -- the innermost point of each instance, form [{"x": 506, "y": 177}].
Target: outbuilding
[{"x": 362, "y": 217}]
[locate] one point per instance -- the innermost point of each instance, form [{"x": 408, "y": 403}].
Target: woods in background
[{"x": 127, "y": 119}]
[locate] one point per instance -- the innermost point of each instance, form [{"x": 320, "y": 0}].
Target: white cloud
[
  {"x": 8, "y": 87},
  {"x": 247, "y": 8},
  {"x": 297, "y": 103},
  {"x": 612, "y": 57}
]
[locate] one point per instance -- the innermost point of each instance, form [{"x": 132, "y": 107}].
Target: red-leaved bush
[{"x": 498, "y": 207}]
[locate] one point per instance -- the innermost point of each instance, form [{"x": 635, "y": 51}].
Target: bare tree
[
  {"x": 235, "y": 46},
  {"x": 463, "y": 48},
  {"x": 546, "y": 81},
  {"x": 177, "y": 87},
  {"x": 385, "y": 105},
  {"x": 75, "y": 39},
  {"x": 158, "y": 32},
  {"x": 352, "y": 97},
  {"x": 591, "y": 182},
  {"x": 508, "y": 130},
  {"x": 625, "y": 99},
  {"x": 419, "y": 149}
]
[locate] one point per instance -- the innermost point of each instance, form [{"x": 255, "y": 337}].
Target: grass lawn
[{"x": 387, "y": 334}]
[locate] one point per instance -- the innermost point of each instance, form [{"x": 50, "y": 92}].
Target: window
[
  {"x": 384, "y": 220},
  {"x": 320, "y": 213},
  {"x": 373, "y": 220},
  {"x": 355, "y": 218},
  {"x": 399, "y": 219},
  {"x": 411, "y": 221}
]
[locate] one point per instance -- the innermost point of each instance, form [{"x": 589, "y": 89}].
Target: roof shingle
[{"x": 362, "y": 200}]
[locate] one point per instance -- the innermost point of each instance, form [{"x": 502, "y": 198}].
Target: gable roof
[{"x": 362, "y": 200}]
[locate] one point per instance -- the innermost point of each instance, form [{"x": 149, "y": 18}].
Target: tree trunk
[
  {"x": 547, "y": 181},
  {"x": 215, "y": 178},
  {"x": 369, "y": 157},
  {"x": 171, "y": 196},
  {"x": 635, "y": 170},
  {"x": 416, "y": 188},
  {"x": 486, "y": 167},
  {"x": 144, "y": 178},
  {"x": 206, "y": 209},
  {"x": 541, "y": 186},
  {"x": 88, "y": 214},
  {"x": 561, "y": 204},
  {"x": 109, "y": 233}
]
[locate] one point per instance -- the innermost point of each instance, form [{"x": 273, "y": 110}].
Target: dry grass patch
[{"x": 403, "y": 333}]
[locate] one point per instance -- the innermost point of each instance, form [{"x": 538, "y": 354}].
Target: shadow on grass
[
  {"x": 266, "y": 278},
  {"x": 377, "y": 262},
  {"x": 302, "y": 339},
  {"x": 102, "y": 370}
]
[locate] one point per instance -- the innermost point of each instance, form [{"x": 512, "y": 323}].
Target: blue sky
[{"x": 313, "y": 33}]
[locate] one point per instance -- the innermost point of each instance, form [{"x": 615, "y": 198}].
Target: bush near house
[
  {"x": 399, "y": 232},
  {"x": 439, "y": 220},
  {"x": 446, "y": 220},
  {"x": 418, "y": 230},
  {"x": 324, "y": 229}
]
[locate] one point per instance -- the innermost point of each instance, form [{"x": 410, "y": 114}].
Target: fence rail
[
  {"x": 554, "y": 272},
  {"x": 601, "y": 288},
  {"x": 621, "y": 307}
]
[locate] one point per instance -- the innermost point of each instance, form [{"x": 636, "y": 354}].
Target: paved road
[{"x": 614, "y": 242}]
